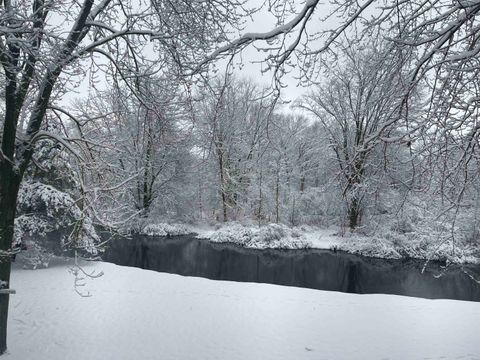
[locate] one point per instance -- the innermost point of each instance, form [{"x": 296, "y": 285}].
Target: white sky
[
  {"x": 262, "y": 21},
  {"x": 265, "y": 21}
]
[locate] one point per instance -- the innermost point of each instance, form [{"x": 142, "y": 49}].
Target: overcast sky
[{"x": 262, "y": 21}]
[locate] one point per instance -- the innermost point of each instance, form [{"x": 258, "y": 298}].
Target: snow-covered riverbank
[
  {"x": 389, "y": 245},
  {"x": 140, "y": 314}
]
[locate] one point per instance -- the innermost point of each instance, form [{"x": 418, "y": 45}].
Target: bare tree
[
  {"x": 43, "y": 43},
  {"x": 359, "y": 105},
  {"x": 234, "y": 118},
  {"x": 442, "y": 37},
  {"x": 443, "y": 32}
]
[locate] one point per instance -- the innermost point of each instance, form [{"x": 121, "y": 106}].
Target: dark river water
[{"x": 316, "y": 269}]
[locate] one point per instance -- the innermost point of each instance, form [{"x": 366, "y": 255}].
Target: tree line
[{"x": 389, "y": 123}]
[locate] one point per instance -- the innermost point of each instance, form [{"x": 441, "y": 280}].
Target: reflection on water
[{"x": 316, "y": 269}]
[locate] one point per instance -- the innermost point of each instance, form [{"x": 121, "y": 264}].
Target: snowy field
[{"x": 140, "y": 314}]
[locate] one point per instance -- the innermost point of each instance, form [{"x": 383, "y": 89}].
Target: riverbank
[
  {"x": 387, "y": 244},
  {"x": 140, "y": 314}
]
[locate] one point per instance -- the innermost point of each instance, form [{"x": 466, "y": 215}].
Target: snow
[
  {"x": 141, "y": 314},
  {"x": 203, "y": 231},
  {"x": 260, "y": 237},
  {"x": 389, "y": 244},
  {"x": 272, "y": 236},
  {"x": 165, "y": 229}
]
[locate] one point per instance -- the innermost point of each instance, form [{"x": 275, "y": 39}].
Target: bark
[
  {"x": 147, "y": 179},
  {"x": 260, "y": 197},
  {"x": 354, "y": 206},
  {"x": 354, "y": 212},
  {"x": 9, "y": 184},
  {"x": 223, "y": 186},
  {"x": 277, "y": 193}
]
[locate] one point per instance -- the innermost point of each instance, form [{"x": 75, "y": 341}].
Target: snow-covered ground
[
  {"x": 389, "y": 245},
  {"x": 141, "y": 314},
  {"x": 165, "y": 229},
  {"x": 386, "y": 244}
]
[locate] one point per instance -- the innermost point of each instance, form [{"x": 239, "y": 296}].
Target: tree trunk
[
  {"x": 354, "y": 213},
  {"x": 200, "y": 203},
  {"x": 224, "y": 206},
  {"x": 9, "y": 184},
  {"x": 277, "y": 194},
  {"x": 260, "y": 198},
  {"x": 20, "y": 149},
  {"x": 223, "y": 185}
]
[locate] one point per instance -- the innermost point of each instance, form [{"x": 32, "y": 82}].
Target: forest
[{"x": 356, "y": 119}]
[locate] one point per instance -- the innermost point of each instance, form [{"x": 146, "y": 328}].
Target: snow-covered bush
[
  {"x": 50, "y": 218},
  {"x": 261, "y": 237},
  {"x": 164, "y": 229},
  {"x": 49, "y": 222}
]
